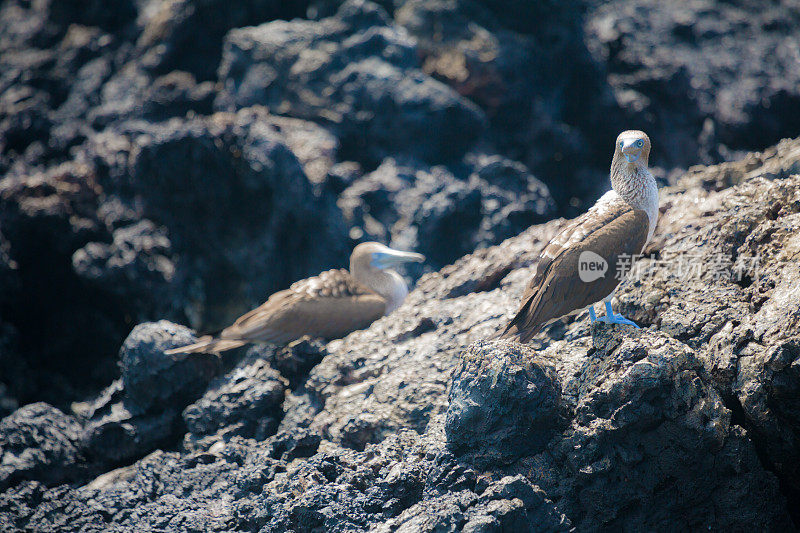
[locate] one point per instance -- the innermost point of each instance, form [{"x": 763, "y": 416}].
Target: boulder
[
  {"x": 504, "y": 404},
  {"x": 355, "y": 71},
  {"x": 246, "y": 401},
  {"x": 39, "y": 442}
]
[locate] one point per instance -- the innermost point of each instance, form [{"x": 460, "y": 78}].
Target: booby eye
[
  {"x": 621, "y": 143},
  {"x": 639, "y": 143}
]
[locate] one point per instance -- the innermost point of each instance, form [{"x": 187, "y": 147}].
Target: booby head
[
  {"x": 632, "y": 148},
  {"x": 371, "y": 264},
  {"x": 374, "y": 255}
]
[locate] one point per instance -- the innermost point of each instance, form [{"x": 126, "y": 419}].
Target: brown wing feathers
[
  {"x": 556, "y": 289},
  {"x": 330, "y": 305}
]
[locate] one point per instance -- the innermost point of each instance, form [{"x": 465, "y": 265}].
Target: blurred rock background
[{"x": 183, "y": 159}]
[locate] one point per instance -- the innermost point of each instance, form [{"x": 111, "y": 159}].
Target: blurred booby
[
  {"x": 328, "y": 306},
  {"x": 580, "y": 265}
]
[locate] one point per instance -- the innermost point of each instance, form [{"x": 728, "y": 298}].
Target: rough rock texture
[
  {"x": 246, "y": 401},
  {"x": 142, "y": 410},
  {"x": 439, "y": 126},
  {"x": 244, "y": 199},
  {"x": 39, "y": 442},
  {"x": 160, "y": 160},
  {"x": 357, "y": 72},
  {"x": 411, "y": 425},
  {"x": 728, "y": 67},
  {"x": 504, "y": 404},
  {"x": 440, "y": 214}
]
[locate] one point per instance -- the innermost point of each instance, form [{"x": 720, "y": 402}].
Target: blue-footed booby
[
  {"x": 579, "y": 266},
  {"x": 328, "y": 306}
]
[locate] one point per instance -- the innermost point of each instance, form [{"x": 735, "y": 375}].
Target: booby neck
[
  {"x": 633, "y": 182},
  {"x": 387, "y": 283},
  {"x": 370, "y": 265}
]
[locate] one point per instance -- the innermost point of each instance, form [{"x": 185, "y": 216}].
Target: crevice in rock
[{"x": 791, "y": 493}]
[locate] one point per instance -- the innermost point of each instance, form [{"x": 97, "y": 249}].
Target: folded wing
[{"x": 610, "y": 229}]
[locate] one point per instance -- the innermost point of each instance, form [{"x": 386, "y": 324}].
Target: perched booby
[
  {"x": 579, "y": 265},
  {"x": 328, "y": 306}
]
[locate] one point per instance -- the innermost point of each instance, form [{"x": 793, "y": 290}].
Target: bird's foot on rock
[
  {"x": 618, "y": 319},
  {"x": 614, "y": 318}
]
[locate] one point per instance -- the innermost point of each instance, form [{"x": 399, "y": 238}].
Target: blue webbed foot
[
  {"x": 613, "y": 318},
  {"x": 592, "y": 316}
]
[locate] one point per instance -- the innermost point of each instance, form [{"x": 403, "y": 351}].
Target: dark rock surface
[
  {"x": 246, "y": 401},
  {"x": 39, "y": 442},
  {"x": 689, "y": 423},
  {"x": 504, "y": 404},
  {"x": 443, "y": 215},
  {"x": 180, "y": 160},
  {"x": 441, "y": 127},
  {"x": 727, "y": 66},
  {"x": 142, "y": 410},
  {"x": 355, "y": 71},
  {"x": 244, "y": 199}
]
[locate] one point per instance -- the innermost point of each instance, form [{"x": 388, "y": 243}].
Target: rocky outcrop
[
  {"x": 440, "y": 127},
  {"x": 444, "y": 215},
  {"x": 39, "y": 442},
  {"x": 246, "y": 401},
  {"x": 504, "y": 404},
  {"x": 725, "y": 66},
  {"x": 161, "y": 161},
  {"x": 243, "y": 172},
  {"x": 416, "y": 423},
  {"x": 141, "y": 411}
]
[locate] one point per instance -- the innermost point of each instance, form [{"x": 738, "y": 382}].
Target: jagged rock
[
  {"x": 39, "y": 442},
  {"x": 134, "y": 94},
  {"x": 245, "y": 402},
  {"x": 504, "y": 404},
  {"x": 647, "y": 414},
  {"x": 739, "y": 311},
  {"x": 138, "y": 254},
  {"x": 509, "y": 504},
  {"x": 356, "y": 71},
  {"x": 441, "y": 215},
  {"x": 266, "y": 213},
  {"x": 294, "y": 444}
]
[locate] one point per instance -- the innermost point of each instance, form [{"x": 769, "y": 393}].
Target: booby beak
[
  {"x": 389, "y": 257},
  {"x": 631, "y": 151}
]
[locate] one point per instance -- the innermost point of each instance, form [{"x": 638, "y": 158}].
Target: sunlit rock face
[{"x": 166, "y": 165}]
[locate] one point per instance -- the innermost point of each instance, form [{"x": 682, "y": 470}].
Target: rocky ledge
[
  {"x": 420, "y": 423},
  {"x": 166, "y": 164}
]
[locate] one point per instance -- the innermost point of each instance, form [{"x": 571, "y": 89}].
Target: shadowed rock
[
  {"x": 648, "y": 436},
  {"x": 246, "y": 402},
  {"x": 125, "y": 199},
  {"x": 363, "y": 79},
  {"x": 141, "y": 411},
  {"x": 39, "y": 442},
  {"x": 504, "y": 403}
]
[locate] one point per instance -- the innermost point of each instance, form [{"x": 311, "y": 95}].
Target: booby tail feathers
[
  {"x": 518, "y": 331},
  {"x": 207, "y": 344}
]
